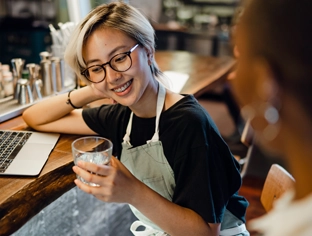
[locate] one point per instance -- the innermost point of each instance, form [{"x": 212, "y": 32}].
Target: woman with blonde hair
[{"x": 171, "y": 165}]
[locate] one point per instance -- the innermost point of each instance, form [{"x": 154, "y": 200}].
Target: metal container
[
  {"x": 34, "y": 80},
  {"x": 46, "y": 76},
  {"x": 36, "y": 89},
  {"x": 2, "y": 90},
  {"x": 17, "y": 67},
  {"x": 45, "y": 55},
  {"x": 33, "y": 70},
  {"x": 25, "y": 94},
  {"x": 57, "y": 74}
]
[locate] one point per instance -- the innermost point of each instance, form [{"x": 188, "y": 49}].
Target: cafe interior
[{"x": 193, "y": 46}]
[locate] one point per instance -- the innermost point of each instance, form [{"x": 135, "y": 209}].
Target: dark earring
[{"x": 149, "y": 60}]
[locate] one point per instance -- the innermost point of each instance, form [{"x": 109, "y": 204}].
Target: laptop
[{"x": 24, "y": 153}]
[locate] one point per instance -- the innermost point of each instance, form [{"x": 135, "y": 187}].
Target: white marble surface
[{"x": 77, "y": 213}]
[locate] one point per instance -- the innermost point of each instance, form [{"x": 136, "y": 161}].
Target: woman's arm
[
  {"x": 117, "y": 184},
  {"x": 55, "y": 115},
  {"x": 172, "y": 218}
]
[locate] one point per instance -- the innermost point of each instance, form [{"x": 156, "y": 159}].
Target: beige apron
[{"x": 149, "y": 164}]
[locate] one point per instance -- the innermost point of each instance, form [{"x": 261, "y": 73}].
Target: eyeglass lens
[{"x": 120, "y": 62}]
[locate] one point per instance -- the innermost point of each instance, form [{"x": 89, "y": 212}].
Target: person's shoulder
[
  {"x": 186, "y": 102},
  {"x": 190, "y": 107},
  {"x": 189, "y": 112},
  {"x": 113, "y": 109},
  {"x": 106, "y": 111}
]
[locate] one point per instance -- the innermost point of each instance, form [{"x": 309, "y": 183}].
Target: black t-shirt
[{"x": 206, "y": 174}]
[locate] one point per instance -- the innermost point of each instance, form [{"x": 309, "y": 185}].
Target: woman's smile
[{"x": 123, "y": 89}]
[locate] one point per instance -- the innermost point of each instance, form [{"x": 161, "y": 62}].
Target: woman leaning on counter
[{"x": 171, "y": 165}]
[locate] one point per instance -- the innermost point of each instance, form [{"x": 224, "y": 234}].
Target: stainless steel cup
[
  {"x": 57, "y": 74},
  {"x": 36, "y": 89},
  {"x": 46, "y": 76},
  {"x": 25, "y": 94},
  {"x": 35, "y": 81},
  {"x": 2, "y": 90},
  {"x": 17, "y": 66}
]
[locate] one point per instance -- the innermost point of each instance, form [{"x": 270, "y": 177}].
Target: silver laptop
[{"x": 25, "y": 153}]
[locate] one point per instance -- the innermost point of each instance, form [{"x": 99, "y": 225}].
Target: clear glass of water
[{"x": 92, "y": 149}]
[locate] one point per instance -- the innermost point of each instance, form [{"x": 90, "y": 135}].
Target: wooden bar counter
[
  {"x": 21, "y": 198},
  {"x": 205, "y": 72}
]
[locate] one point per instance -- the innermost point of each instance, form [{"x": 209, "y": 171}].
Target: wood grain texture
[
  {"x": 278, "y": 181},
  {"x": 205, "y": 72},
  {"x": 23, "y": 197}
]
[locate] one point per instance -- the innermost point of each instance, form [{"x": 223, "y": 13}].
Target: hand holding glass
[{"x": 92, "y": 149}]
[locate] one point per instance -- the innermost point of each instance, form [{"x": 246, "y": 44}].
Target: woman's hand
[
  {"x": 116, "y": 183},
  {"x": 100, "y": 94}
]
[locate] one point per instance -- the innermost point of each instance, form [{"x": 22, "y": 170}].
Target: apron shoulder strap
[
  {"x": 126, "y": 138},
  {"x": 160, "y": 104}
]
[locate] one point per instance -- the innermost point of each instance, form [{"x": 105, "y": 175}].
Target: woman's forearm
[
  {"x": 172, "y": 218},
  {"x": 55, "y": 113}
]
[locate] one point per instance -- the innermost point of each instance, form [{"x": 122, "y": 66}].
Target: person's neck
[
  {"x": 146, "y": 106},
  {"x": 300, "y": 164},
  {"x": 296, "y": 145}
]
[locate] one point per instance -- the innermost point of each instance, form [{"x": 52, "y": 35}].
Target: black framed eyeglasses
[{"x": 120, "y": 63}]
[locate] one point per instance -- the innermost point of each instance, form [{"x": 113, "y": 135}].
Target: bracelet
[{"x": 70, "y": 102}]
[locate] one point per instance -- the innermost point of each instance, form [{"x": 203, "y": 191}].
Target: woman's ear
[
  {"x": 150, "y": 56},
  {"x": 263, "y": 112}
]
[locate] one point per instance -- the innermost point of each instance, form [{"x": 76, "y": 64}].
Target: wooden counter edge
[
  {"x": 220, "y": 78},
  {"x": 28, "y": 201}
]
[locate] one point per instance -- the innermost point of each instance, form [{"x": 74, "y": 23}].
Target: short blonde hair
[{"x": 116, "y": 15}]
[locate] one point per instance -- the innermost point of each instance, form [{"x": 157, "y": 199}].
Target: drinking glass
[{"x": 92, "y": 149}]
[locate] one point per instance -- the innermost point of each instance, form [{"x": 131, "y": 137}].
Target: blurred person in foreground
[
  {"x": 273, "y": 82},
  {"x": 171, "y": 165}
]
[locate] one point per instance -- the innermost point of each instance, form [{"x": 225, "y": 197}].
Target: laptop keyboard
[{"x": 11, "y": 143}]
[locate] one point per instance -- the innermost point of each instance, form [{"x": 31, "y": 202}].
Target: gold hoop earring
[{"x": 270, "y": 115}]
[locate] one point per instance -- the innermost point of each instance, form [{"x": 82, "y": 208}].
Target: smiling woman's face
[{"x": 124, "y": 87}]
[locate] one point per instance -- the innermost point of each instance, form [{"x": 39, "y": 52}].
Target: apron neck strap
[
  {"x": 159, "y": 107},
  {"x": 160, "y": 104}
]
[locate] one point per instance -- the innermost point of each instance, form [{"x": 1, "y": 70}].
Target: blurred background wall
[{"x": 198, "y": 26}]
